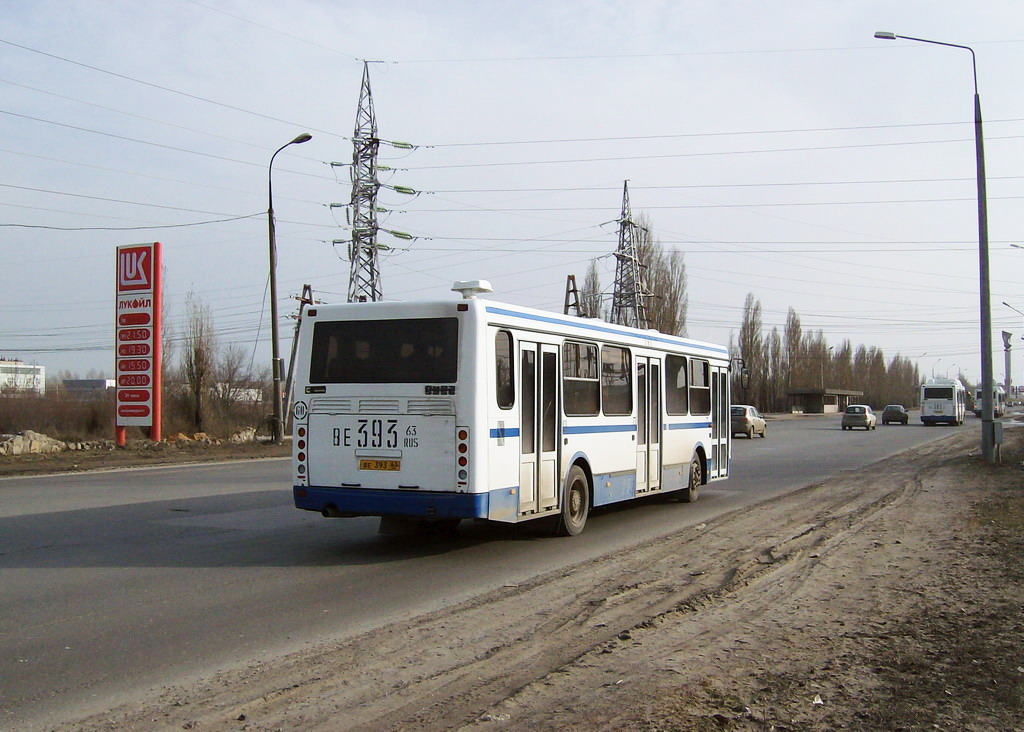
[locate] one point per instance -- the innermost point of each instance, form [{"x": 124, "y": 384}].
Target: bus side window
[
  {"x": 505, "y": 390},
  {"x": 700, "y": 387},
  {"x": 580, "y": 384},
  {"x": 616, "y": 381},
  {"x": 676, "y": 384}
]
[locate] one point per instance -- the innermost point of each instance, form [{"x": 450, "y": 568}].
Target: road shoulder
[{"x": 879, "y": 603}]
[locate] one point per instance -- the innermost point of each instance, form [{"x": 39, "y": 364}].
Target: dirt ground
[{"x": 887, "y": 599}]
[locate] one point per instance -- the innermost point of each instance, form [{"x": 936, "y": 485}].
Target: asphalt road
[{"x": 119, "y": 583}]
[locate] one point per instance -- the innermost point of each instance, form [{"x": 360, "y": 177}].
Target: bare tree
[
  {"x": 198, "y": 357},
  {"x": 590, "y": 296},
  {"x": 664, "y": 276},
  {"x": 775, "y": 388},
  {"x": 793, "y": 339},
  {"x": 232, "y": 376},
  {"x": 166, "y": 351},
  {"x": 751, "y": 345}
]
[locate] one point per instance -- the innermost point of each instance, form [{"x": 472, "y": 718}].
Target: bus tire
[
  {"x": 692, "y": 490},
  {"x": 575, "y": 503}
]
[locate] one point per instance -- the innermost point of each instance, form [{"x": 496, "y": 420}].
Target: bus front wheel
[{"x": 575, "y": 503}]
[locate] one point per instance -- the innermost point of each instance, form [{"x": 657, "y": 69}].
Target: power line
[
  {"x": 478, "y": 209},
  {"x": 144, "y": 142},
  {"x": 698, "y": 186},
  {"x": 131, "y": 228},
  {"x": 702, "y": 154},
  {"x": 278, "y": 31},
  {"x": 672, "y": 54},
  {"x": 112, "y": 200},
  {"x": 163, "y": 88},
  {"x": 687, "y": 135},
  {"x": 132, "y": 115}
]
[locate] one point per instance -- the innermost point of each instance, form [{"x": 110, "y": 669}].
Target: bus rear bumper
[
  {"x": 938, "y": 420},
  {"x": 372, "y": 502}
]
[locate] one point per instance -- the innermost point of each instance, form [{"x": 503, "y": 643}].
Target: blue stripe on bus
[
  {"x": 599, "y": 328},
  {"x": 501, "y": 432},
  {"x": 590, "y": 429},
  {"x": 507, "y": 432}
]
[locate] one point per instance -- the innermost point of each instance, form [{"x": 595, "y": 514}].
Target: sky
[{"x": 780, "y": 147}]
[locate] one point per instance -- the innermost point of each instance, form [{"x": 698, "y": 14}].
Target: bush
[
  {"x": 58, "y": 416},
  {"x": 71, "y": 418}
]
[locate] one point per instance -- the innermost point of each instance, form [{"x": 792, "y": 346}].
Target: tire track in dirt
[{"x": 713, "y": 642}]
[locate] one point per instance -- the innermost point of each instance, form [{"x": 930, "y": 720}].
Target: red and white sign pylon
[{"x": 137, "y": 341}]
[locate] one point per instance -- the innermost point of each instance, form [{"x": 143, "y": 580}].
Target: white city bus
[
  {"x": 998, "y": 401},
  {"x": 453, "y": 409},
  {"x": 943, "y": 401}
]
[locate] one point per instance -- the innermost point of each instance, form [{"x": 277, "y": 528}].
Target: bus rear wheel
[
  {"x": 692, "y": 490},
  {"x": 575, "y": 503}
]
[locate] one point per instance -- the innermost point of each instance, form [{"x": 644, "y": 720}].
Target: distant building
[
  {"x": 88, "y": 388},
  {"x": 821, "y": 401},
  {"x": 17, "y": 377},
  {"x": 238, "y": 394}
]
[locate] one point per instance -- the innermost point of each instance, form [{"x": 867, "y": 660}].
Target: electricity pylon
[
  {"x": 629, "y": 296},
  {"x": 364, "y": 275}
]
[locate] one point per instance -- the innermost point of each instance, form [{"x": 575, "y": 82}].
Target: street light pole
[
  {"x": 988, "y": 435},
  {"x": 277, "y": 427}
]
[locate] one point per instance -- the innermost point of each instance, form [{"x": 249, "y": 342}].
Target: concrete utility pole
[
  {"x": 364, "y": 274},
  {"x": 629, "y": 296}
]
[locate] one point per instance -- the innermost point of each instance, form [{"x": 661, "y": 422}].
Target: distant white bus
[
  {"x": 998, "y": 401},
  {"x": 943, "y": 401},
  {"x": 473, "y": 409}
]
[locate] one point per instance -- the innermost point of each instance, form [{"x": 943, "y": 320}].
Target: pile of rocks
[
  {"x": 35, "y": 443},
  {"x": 28, "y": 442}
]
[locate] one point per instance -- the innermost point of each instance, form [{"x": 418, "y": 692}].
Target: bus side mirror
[{"x": 744, "y": 377}]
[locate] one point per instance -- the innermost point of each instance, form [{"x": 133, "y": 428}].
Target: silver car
[
  {"x": 859, "y": 415},
  {"x": 747, "y": 421}
]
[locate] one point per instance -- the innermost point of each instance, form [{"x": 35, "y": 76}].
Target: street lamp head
[
  {"x": 304, "y": 137},
  {"x": 885, "y": 35}
]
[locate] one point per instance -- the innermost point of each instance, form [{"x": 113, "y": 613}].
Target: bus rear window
[
  {"x": 410, "y": 351},
  {"x": 938, "y": 392}
]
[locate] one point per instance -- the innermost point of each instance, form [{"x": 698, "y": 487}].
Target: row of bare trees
[
  {"x": 208, "y": 386},
  {"x": 802, "y": 359},
  {"x": 777, "y": 361}
]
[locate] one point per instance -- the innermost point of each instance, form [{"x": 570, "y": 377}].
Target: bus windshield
[{"x": 406, "y": 351}]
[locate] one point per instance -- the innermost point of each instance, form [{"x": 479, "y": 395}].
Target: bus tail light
[
  {"x": 300, "y": 412},
  {"x": 462, "y": 451}
]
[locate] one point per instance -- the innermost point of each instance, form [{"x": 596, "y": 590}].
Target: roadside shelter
[{"x": 822, "y": 401}]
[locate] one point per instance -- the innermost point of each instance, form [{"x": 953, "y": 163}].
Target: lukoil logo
[{"x": 134, "y": 268}]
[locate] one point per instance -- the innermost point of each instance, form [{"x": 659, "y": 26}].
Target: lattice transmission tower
[
  {"x": 629, "y": 296},
  {"x": 364, "y": 274}
]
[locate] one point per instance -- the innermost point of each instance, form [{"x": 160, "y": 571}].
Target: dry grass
[{"x": 73, "y": 419}]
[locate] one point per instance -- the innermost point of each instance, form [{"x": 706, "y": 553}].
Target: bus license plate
[{"x": 380, "y": 464}]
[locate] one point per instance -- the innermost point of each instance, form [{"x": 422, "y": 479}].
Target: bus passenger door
[
  {"x": 538, "y": 465},
  {"x": 648, "y": 424},
  {"x": 721, "y": 428}
]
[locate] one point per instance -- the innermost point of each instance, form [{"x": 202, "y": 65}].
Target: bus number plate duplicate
[{"x": 380, "y": 464}]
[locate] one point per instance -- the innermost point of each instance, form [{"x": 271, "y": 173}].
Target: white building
[
  {"x": 88, "y": 388},
  {"x": 19, "y": 377}
]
